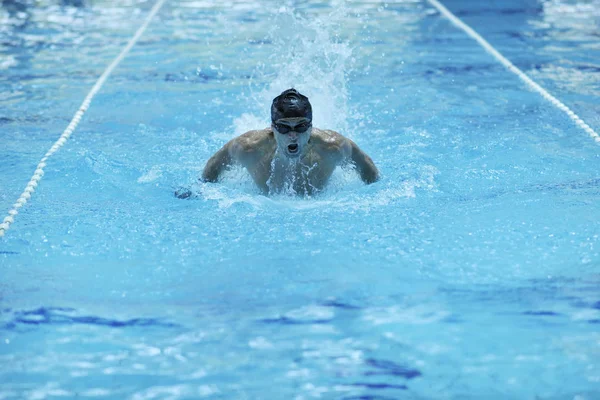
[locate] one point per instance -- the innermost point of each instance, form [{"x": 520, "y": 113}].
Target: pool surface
[{"x": 471, "y": 270}]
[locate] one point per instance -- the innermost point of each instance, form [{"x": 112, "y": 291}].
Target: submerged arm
[{"x": 364, "y": 165}]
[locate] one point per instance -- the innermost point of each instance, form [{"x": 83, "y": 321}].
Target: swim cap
[{"x": 290, "y": 103}]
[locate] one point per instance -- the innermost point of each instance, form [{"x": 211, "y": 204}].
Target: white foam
[
  {"x": 345, "y": 192},
  {"x": 313, "y": 60},
  {"x": 7, "y": 62},
  {"x": 153, "y": 174}
]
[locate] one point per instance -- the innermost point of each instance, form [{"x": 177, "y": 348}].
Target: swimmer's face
[{"x": 292, "y": 135}]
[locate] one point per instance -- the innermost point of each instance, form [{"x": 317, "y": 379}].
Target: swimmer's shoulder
[
  {"x": 254, "y": 140},
  {"x": 329, "y": 140}
]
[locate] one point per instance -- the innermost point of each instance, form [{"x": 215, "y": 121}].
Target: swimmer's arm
[
  {"x": 364, "y": 164},
  {"x": 244, "y": 150},
  {"x": 218, "y": 163}
]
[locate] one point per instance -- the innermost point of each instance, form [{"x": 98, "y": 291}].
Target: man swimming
[{"x": 290, "y": 154}]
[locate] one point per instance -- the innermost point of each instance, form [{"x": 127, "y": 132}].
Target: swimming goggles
[{"x": 284, "y": 127}]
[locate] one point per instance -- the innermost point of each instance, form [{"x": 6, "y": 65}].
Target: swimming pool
[{"x": 470, "y": 270}]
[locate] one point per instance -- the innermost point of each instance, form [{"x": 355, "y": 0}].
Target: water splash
[
  {"x": 344, "y": 192},
  {"x": 308, "y": 55}
]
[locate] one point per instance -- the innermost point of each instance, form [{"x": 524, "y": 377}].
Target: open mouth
[{"x": 293, "y": 148}]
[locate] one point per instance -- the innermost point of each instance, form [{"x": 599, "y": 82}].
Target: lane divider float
[
  {"x": 39, "y": 171},
  {"x": 512, "y": 68}
]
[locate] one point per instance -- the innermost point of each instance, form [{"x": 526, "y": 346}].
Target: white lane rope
[
  {"x": 511, "y": 67},
  {"x": 39, "y": 172}
]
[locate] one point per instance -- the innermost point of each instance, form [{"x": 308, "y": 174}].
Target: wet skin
[{"x": 290, "y": 154}]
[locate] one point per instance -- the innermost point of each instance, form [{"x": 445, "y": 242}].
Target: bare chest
[{"x": 303, "y": 176}]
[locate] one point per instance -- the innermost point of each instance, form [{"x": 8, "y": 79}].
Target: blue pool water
[{"x": 471, "y": 270}]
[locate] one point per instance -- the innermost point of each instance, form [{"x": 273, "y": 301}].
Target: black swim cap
[{"x": 289, "y": 104}]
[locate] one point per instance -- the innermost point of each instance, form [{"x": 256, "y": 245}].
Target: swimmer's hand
[{"x": 183, "y": 193}]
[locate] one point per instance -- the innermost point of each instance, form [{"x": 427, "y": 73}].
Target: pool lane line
[
  {"x": 512, "y": 68},
  {"x": 39, "y": 172}
]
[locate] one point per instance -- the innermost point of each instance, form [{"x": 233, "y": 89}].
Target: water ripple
[
  {"x": 339, "y": 304},
  {"x": 542, "y": 313},
  {"x": 282, "y": 320},
  {"x": 64, "y": 316},
  {"x": 385, "y": 367},
  {"x": 379, "y": 386}
]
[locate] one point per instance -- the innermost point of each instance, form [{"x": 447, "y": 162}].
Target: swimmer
[{"x": 291, "y": 153}]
